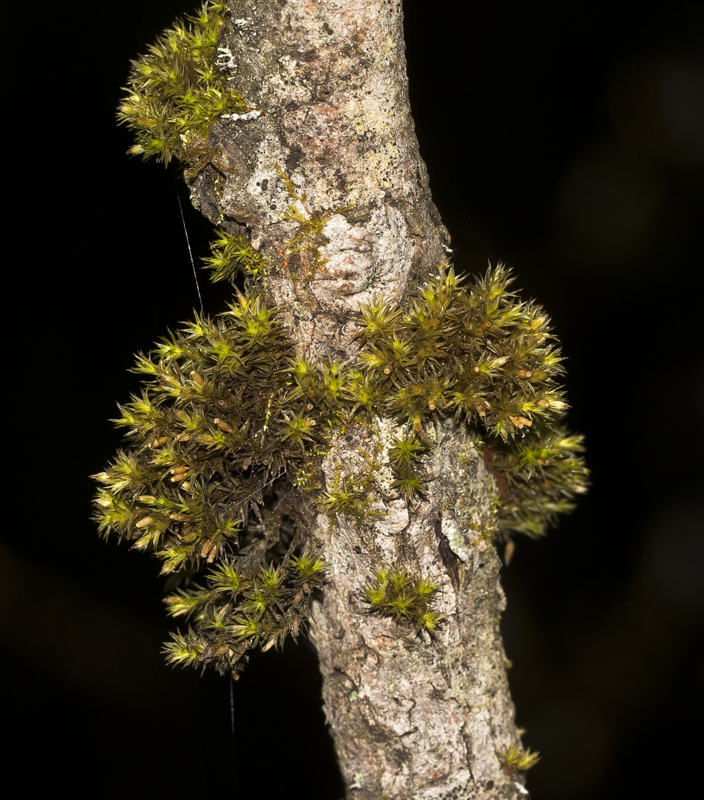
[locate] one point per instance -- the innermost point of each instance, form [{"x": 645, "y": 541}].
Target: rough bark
[
  {"x": 411, "y": 716},
  {"x": 330, "y": 81}
]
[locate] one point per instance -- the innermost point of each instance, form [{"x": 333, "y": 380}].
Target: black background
[{"x": 565, "y": 140}]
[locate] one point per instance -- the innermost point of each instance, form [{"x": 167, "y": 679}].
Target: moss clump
[
  {"x": 480, "y": 353},
  {"x": 231, "y": 254},
  {"x": 516, "y": 759},
  {"x": 239, "y": 610},
  {"x": 476, "y": 351},
  {"x": 177, "y": 91},
  {"x": 350, "y": 493},
  {"x": 216, "y": 437},
  {"x": 403, "y": 597},
  {"x": 232, "y": 425}
]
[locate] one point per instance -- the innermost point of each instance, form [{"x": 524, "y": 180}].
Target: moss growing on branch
[
  {"x": 403, "y": 597},
  {"x": 516, "y": 759},
  {"x": 226, "y": 440},
  {"x": 177, "y": 90},
  {"x": 232, "y": 425}
]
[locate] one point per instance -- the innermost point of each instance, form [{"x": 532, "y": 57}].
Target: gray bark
[{"x": 411, "y": 716}]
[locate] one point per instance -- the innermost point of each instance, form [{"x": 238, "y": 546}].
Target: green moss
[
  {"x": 515, "y": 759},
  {"x": 231, "y": 254},
  {"x": 403, "y": 597},
  {"x": 309, "y": 236},
  {"x": 232, "y": 425},
  {"x": 227, "y": 438},
  {"x": 481, "y": 353},
  {"x": 176, "y": 91},
  {"x": 352, "y": 491}
]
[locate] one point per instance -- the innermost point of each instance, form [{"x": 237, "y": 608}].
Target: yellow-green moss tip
[{"x": 516, "y": 759}]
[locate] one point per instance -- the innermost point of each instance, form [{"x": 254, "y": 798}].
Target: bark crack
[{"x": 449, "y": 559}]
